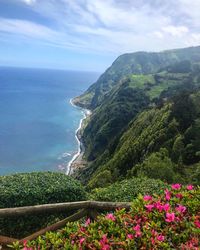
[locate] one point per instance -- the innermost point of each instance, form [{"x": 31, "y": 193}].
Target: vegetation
[
  {"x": 167, "y": 221},
  {"x": 33, "y": 189},
  {"x": 141, "y": 63},
  {"x": 128, "y": 189},
  {"x": 158, "y": 166},
  {"x": 108, "y": 119},
  {"x": 157, "y": 107}
]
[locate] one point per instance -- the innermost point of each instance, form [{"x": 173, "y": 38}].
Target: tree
[
  {"x": 158, "y": 166},
  {"x": 178, "y": 148}
]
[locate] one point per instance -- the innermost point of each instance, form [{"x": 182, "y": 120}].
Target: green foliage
[
  {"x": 33, "y": 189},
  {"x": 178, "y": 148},
  {"x": 180, "y": 67},
  {"x": 128, "y": 189},
  {"x": 184, "y": 110},
  {"x": 157, "y": 166},
  {"x": 192, "y": 174},
  {"x": 108, "y": 121},
  {"x": 166, "y": 127},
  {"x": 38, "y": 188},
  {"x": 192, "y": 141},
  {"x": 101, "y": 180},
  {"x": 168, "y": 221},
  {"x": 164, "y": 81},
  {"x": 145, "y": 135}
]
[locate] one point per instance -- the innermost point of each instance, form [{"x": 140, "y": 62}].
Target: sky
[{"x": 89, "y": 34}]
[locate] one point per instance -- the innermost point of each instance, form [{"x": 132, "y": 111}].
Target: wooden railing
[{"x": 85, "y": 209}]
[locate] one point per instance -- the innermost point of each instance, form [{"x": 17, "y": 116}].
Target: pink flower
[
  {"x": 110, "y": 217},
  {"x": 170, "y": 217},
  {"x": 158, "y": 206},
  {"x": 160, "y": 237},
  {"x": 137, "y": 227},
  {"x": 190, "y": 187},
  {"x": 176, "y": 186},
  {"x": 149, "y": 207},
  {"x": 138, "y": 234},
  {"x": 161, "y": 207},
  {"x": 104, "y": 243},
  {"x": 197, "y": 223},
  {"x": 25, "y": 246},
  {"x": 105, "y": 247},
  {"x": 180, "y": 196},
  {"x": 25, "y": 243},
  {"x": 152, "y": 241},
  {"x": 88, "y": 221},
  {"x": 147, "y": 198},
  {"x": 81, "y": 240},
  {"x": 166, "y": 207},
  {"x": 167, "y": 194},
  {"x": 130, "y": 236},
  {"x": 104, "y": 239},
  {"x": 181, "y": 209}
]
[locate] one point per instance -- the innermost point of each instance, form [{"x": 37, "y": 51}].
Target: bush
[
  {"x": 128, "y": 189},
  {"x": 34, "y": 189},
  {"x": 102, "y": 179},
  {"x": 169, "y": 221},
  {"x": 157, "y": 166}
]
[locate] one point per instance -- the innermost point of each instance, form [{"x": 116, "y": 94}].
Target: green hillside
[
  {"x": 143, "y": 114},
  {"x": 133, "y": 63}
]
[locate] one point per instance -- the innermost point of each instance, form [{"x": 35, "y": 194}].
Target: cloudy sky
[{"x": 90, "y": 34}]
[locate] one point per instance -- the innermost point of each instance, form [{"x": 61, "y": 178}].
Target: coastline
[{"x": 77, "y": 159}]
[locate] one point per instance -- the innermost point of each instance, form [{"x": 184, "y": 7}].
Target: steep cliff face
[
  {"x": 133, "y": 63},
  {"x": 136, "y": 111}
]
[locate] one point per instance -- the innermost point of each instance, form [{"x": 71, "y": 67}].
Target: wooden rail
[
  {"x": 85, "y": 208},
  {"x": 60, "y": 207}
]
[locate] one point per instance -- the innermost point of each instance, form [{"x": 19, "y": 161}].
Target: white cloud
[
  {"x": 191, "y": 11},
  {"x": 25, "y": 28},
  {"x": 158, "y": 34},
  {"x": 29, "y": 2},
  {"x": 177, "y": 31},
  {"x": 111, "y": 26}
]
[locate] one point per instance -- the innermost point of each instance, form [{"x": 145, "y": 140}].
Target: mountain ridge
[
  {"x": 117, "y": 107},
  {"x": 133, "y": 63}
]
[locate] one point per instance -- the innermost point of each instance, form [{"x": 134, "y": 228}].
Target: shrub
[
  {"x": 32, "y": 189},
  {"x": 102, "y": 179},
  {"x": 128, "y": 189},
  {"x": 157, "y": 166},
  {"x": 168, "y": 221}
]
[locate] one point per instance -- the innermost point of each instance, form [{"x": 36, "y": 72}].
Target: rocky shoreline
[{"x": 78, "y": 160}]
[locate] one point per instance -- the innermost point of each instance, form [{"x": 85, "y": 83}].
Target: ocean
[{"x": 37, "y": 121}]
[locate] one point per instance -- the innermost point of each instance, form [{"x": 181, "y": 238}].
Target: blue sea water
[{"x": 37, "y": 121}]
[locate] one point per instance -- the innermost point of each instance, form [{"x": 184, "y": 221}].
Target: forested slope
[{"x": 149, "y": 116}]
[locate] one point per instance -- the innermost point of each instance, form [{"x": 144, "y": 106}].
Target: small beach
[{"x": 77, "y": 159}]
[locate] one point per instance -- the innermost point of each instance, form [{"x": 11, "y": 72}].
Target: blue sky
[{"x": 90, "y": 34}]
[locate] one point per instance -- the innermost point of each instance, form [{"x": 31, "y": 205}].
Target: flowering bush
[{"x": 167, "y": 221}]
